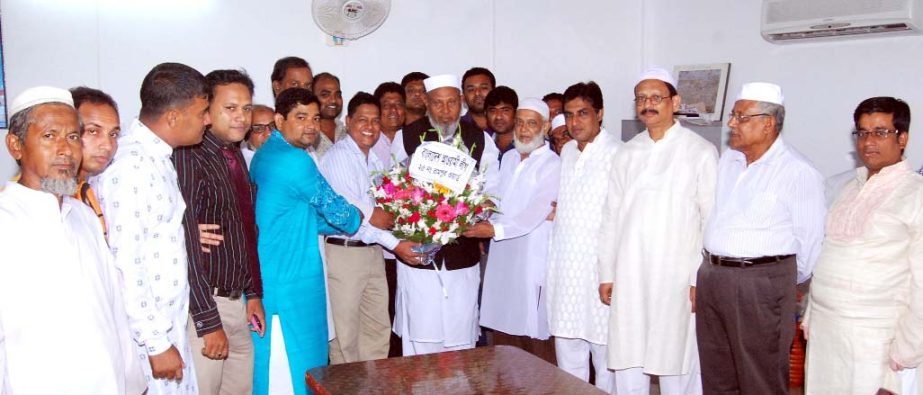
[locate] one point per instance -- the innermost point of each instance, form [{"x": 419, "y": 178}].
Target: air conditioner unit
[{"x": 788, "y": 21}]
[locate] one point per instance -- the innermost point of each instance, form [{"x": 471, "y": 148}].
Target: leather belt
[
  {"x": 230, "y": 294},
  {"x": 745, "y": 262},
  {"x": 346, "y": 242}
]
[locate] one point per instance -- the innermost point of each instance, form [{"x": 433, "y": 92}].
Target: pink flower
[
  {"x": 445, "y": 213},
  {"x": 389, "y": 189},
  {"x": 461, "y": 208},
  {"x": 417, "y": 195}
]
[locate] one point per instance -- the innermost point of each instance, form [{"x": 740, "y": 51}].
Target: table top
[{"x": 483, "y": 370}]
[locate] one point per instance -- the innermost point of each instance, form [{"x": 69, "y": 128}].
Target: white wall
[
  {"x": 534, "y": 47},
  {"x": 823, "y": 82}
]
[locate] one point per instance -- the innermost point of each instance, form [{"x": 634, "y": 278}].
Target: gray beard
[
  {"x": 59, "y": 187},
  {"x": 527, "y": 148},
  {"x": 445, "y": 131}
]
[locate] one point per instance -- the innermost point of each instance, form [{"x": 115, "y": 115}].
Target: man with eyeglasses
[
  {"x": 414, "y": 95},
  {"x": 260, "y": 129},
  {"x": 865, "y": 309},
  {"x": 762, "y": 238},
  {"x": 662, "y": 181}
]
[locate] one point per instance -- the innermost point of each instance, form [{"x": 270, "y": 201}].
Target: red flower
[
  {"x": 385, "y": 180},
  {"x": 478, "y": 210},
  {"x": 414, "y": 217},
  {"x": 432, "y": 231}
]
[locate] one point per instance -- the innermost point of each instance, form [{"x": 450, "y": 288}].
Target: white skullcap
[
  {"x": 40, "y": 95},
  {"x": 535, "y": 104},
  {"x": 441, "y": 81},
  {"x": 762, "y": 91},
  {"x": 558, "y": 121},
  {"x": 657, "y": 73}
]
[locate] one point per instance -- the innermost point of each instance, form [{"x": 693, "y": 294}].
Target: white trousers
[
  {"x": 634, "y": 382},
  {"x": 574, "y": 355},
  {"x": 280, "y": 377},
  {"x": 411, "y": 347}
]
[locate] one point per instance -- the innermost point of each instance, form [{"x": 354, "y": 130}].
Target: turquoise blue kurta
[{"x": 294, "y": 204}]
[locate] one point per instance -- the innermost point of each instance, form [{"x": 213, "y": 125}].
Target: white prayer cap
[
  {"x": 762, "y": 91},
  {"x": 657, "y": 73},
  {"x": 441, "y": 81},
  {"x": 558, "y": 121},
  {"x": 40, "y": 95},
  {"x": 534, "y": 104}
]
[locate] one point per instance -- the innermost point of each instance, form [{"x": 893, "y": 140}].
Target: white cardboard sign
[{"x": 443, "y": 164}]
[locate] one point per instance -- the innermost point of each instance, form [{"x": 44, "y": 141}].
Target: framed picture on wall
[{"x": 703, "y": 88}]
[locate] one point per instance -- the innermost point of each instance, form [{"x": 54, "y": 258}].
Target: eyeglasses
[
  {"x": 655, "y": 100},
  {"x": 745, "y": 118},
  {"x": 879, "y": 133},
  {"x": 258, "y": 128}
]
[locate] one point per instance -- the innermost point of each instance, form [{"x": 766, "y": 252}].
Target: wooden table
[{"x": 483, "y": 370}]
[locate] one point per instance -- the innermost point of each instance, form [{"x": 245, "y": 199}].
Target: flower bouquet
[{"x": 428, "y": 211}]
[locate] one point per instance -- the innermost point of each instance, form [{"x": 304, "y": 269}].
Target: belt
[
  {"x": 745, "y": 262},
  {"x": 346, "y": 242},
  {"x": 224, "y": 293}
]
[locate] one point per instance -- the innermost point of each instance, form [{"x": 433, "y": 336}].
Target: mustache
[{"x": 647, "y": 111}]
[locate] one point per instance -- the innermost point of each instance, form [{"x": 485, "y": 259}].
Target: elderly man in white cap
[
  {"x": 513, "y": 304},
  {"x": 662, "y": 185},
  {"x": 63, "y": 327},
  {"x": 762, "y": 237},
  {"x": 558, "y": 135},
  {"x": 426, "y": 321}
]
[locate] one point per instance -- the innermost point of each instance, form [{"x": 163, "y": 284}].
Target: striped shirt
[
  {"x": 774, "y": 206},
  {"x": 206, "y": 181},
  {"x": 349, "y": 172}
]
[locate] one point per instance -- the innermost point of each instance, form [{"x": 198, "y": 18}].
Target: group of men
[{"x": 218, "y": 246}]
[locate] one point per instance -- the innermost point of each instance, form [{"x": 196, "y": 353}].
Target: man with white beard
[
  {"x": 661, "y": 189},
  {"x": 426, "y": 320},
  {"x": 513, "y": 304}
]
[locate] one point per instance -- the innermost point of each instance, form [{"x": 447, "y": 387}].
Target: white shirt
[
  {"x": 247, "y": 153},
  {"x": 144, "y": 210},
  {"x": 349, "y": 172},
  {"x": 63, "y": 328},
  {"x": 660, "y": 195},
  {"x": 515, "y": 274},
  {"x": 488, "y": 164},
  {"x": 774, "y": 206},
  {"x": 866, "y": 303},
  {"x": 382, "y": 149},
  {"x": 572, "y": 282}
]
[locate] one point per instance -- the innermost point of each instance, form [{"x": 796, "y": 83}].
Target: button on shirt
[
  {"x": 349, "y": 172},
  {"x": 144, "y": 209},
  {"x": 774, "y": 206}
]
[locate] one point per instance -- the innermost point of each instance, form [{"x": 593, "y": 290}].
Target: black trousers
[{"x": 745, "y": 323}]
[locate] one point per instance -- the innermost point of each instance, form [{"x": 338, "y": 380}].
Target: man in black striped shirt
[{"x": 224, "y": 282}]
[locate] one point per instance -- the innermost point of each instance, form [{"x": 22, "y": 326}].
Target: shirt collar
[
  {"x": 212, "y": 143},
  {"x": 895, "y": 170},
  {"x": 36, "y": 198},
  {"x": 149, "y": 139},
  {"x": 769, "y": 157}
]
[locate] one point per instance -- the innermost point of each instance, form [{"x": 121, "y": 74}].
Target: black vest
[{"x": 463, "y": 252}]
